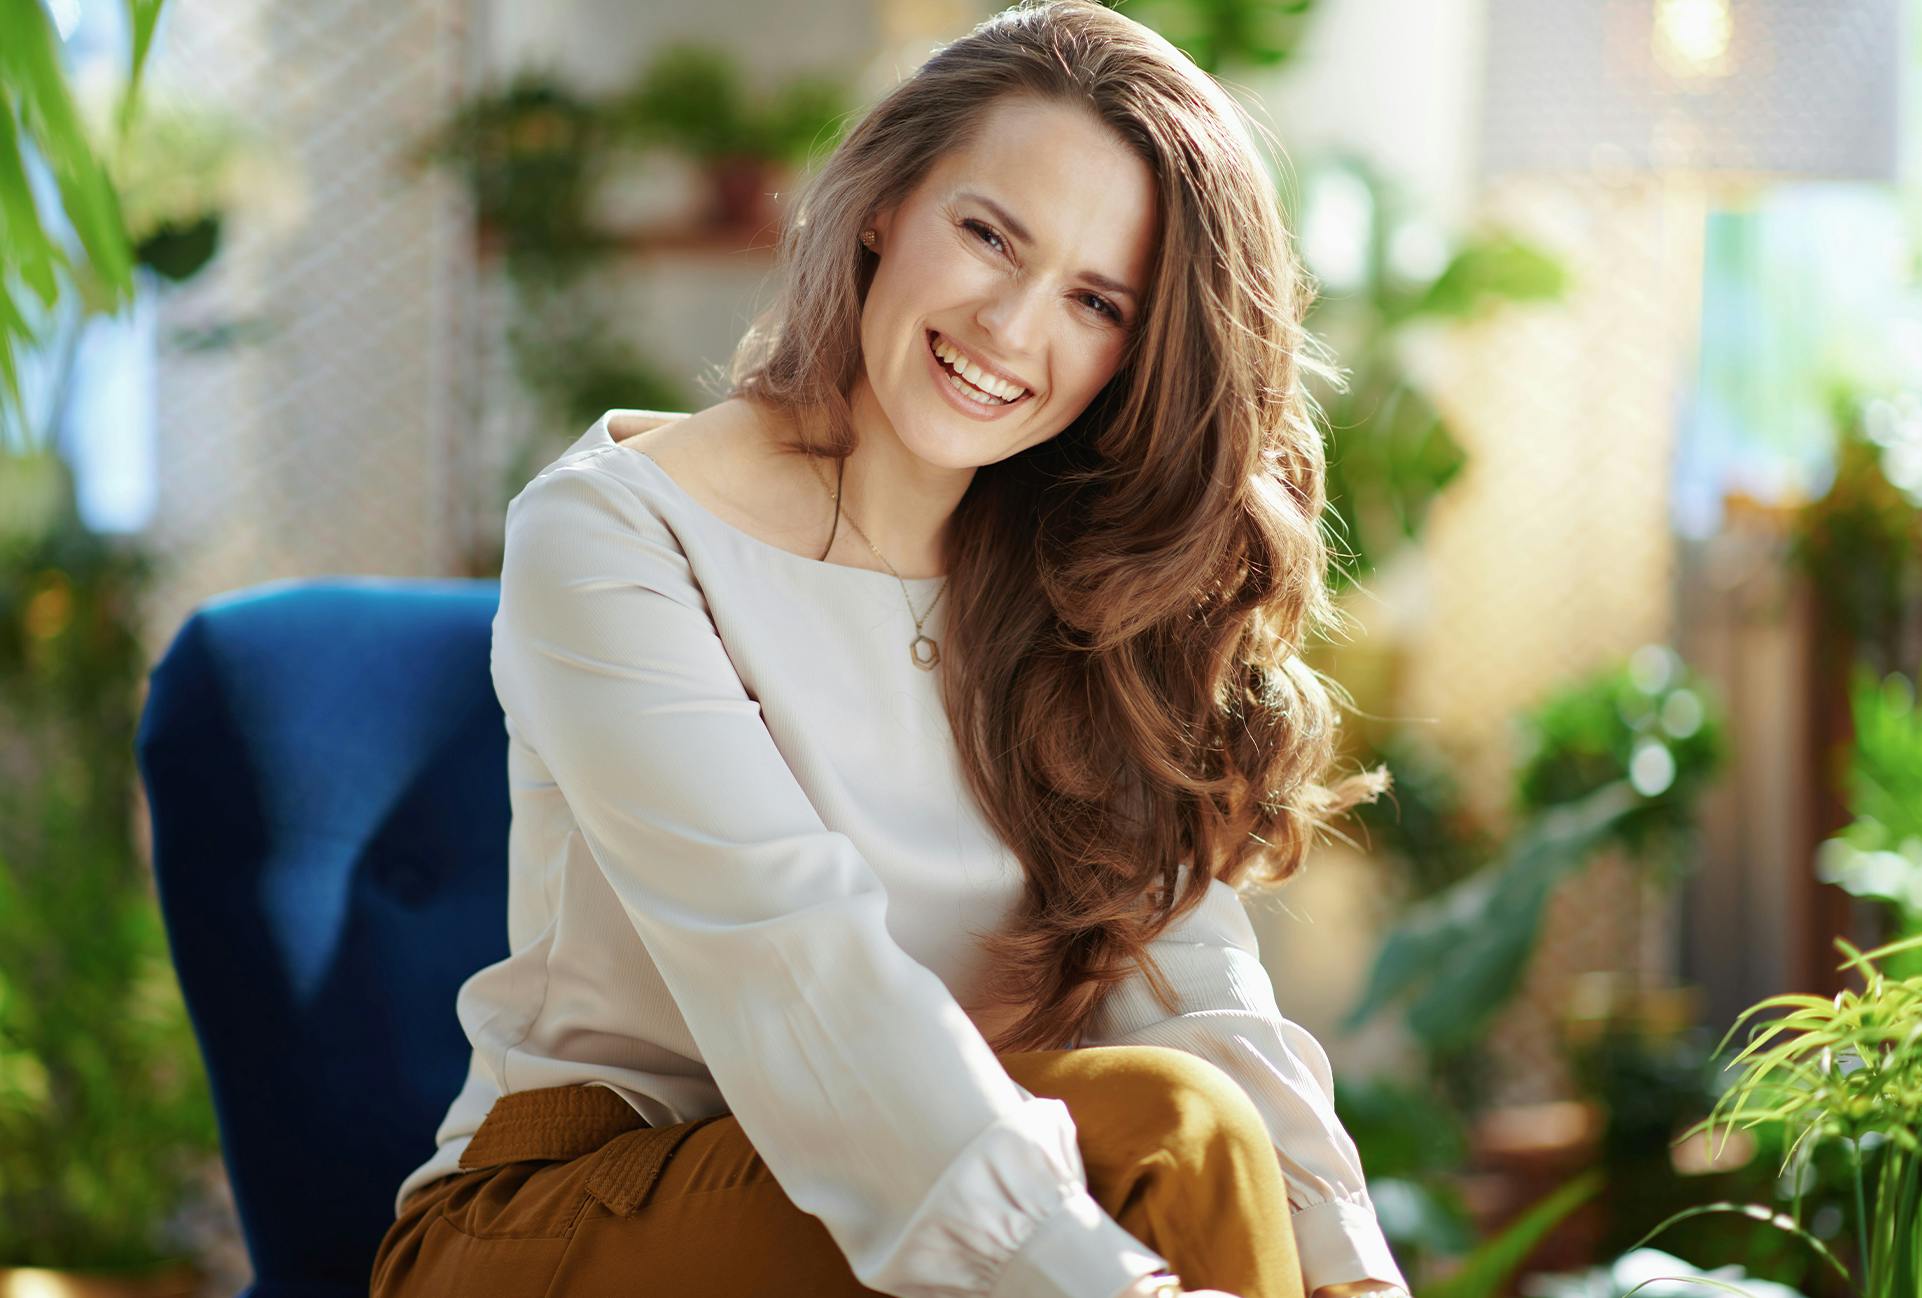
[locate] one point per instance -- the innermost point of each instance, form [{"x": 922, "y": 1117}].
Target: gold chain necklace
[{"x": 926, "y": 664}]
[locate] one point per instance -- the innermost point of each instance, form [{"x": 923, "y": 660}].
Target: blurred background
[{"x": 1626, "y": 479}]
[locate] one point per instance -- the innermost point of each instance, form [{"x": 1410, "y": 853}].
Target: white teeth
[
  {"x": 974, "y": 373},
  {"x": 973, "y": 393}
]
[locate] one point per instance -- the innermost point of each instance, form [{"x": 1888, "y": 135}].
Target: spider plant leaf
[
  {"x": 1760, "y": 1212},
  {"x": 1727, "y": 1285},
  {"x": 1900, "y": 944}
]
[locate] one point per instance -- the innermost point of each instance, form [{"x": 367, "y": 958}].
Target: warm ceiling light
[{"x": 1692, "y": 37}]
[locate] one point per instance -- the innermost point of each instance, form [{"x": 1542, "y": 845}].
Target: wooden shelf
[{"x": 678, "y": 240}]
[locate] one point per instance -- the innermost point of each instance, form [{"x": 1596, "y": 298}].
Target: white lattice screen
[
  {"x": 334, "y": 442},
  {"x": 1553, "y": 553}
]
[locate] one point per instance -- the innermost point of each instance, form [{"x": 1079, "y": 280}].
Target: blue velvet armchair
[{"x": 325, "y": 766}]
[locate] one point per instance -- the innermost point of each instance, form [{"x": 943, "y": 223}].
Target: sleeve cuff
[
  {"x": 1340, "y": 1240},
  {"x": 1078, "y": 1252}
]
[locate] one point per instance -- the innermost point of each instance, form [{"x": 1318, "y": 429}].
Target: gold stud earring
[{"x": 867, "y": 237}]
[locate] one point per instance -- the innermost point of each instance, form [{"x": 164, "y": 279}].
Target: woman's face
[{"x": 1028, "y": 251}]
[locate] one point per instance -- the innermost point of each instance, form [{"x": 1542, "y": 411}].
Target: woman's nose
[{"x": 1013, "y": 321}]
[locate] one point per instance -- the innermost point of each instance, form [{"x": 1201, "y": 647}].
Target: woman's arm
[{"x": 1226, "y": 1013}]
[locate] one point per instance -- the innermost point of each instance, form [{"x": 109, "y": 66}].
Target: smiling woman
[
  {"x": 996, "y": 260},
  {"x": 913, "y": 949}
]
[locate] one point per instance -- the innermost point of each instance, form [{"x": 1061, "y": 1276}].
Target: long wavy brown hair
[{"x": 1129, "y": 601}]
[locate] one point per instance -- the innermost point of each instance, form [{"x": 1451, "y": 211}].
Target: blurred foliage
[
  {"x": 1415, "y": 1142},
  {"x": 178, "y": 169},
  {"x": 1645, "y": 1060},
  {"x": 529, "y": 154},
  {"x": 591, "y": 368},
  {"x": 106, "y": 1122},
  {"x": 1489, "y": 1271},
  {"x": 1632, "y": 1272},
  {"x": 1227, "y": 35},
  {"x": 142, "y": 183},
  {"x": 1424, "y": 822},
  {"x": 532, "y": 151},
  {"x": 1415, "y": 1145},
  {"x": 694, "y": 99},
  {"x": 1644, "y": 1080},
  {"x": 1878, "y": 855},
  {"x": 1647, "y": 721},
  {"x": 1860, "y": 544},
  {"x": 44, "y": 122},
  {"x": 1848, "y": 1072},
  {"x": 1615, "y": 762},
  {"x": 578, "y": 367},
  {"x": 1458, "y": 957},
  {"x": 1390, "y": 452}
]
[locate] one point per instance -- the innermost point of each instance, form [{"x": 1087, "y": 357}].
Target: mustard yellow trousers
[{"x": 565, "y": 1191}]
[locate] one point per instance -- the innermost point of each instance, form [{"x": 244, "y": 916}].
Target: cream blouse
[{"x": 743, "y": 874}]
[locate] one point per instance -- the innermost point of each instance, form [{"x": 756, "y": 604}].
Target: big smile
[{"x": 963, "y": 389}]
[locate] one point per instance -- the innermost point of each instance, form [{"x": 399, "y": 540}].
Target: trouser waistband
[{"x": 551, "y": 1122}]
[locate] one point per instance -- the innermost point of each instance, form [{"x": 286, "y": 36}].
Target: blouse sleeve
[
  {"x": 872, "y": 1097},
  {"x": 1226, "y": 1013}
]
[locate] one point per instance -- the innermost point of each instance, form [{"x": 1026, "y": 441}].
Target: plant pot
[
  {"x": 739, "y": 193},
  {"x": 178, "y": 250},
  {"x": 161, "y": 1280},
  {"x": 1518, "y": 1156}
]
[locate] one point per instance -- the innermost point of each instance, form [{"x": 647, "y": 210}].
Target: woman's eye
[{"x": 983, "y": 233}]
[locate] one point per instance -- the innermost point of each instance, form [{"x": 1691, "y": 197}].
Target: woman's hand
[{"x": 1149, "y": 1286}]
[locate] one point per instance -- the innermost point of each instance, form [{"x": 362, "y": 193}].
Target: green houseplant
[
  {"x": 41, "y": 118},
  {"x": 1847, "y": 1071},
  {"x": 178, "y": 169},
  {"x": 529, "y": 153},
  {"x": 1218, "y": 34},
  {"x": 1396, "y": 452},
  {"x": 691, "y": 99},
  {"x": 106, "y": 1123},
  {"x": 1616, "y": 760},
  {"x": 1860, "y": 542},
  {"x": 1878, "y": 855}
]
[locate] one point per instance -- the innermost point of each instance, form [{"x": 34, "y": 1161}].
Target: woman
[{"x": 856, "y": 944}]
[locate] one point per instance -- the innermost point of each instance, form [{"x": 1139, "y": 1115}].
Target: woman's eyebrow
[{"x": 1020, "y": 232}]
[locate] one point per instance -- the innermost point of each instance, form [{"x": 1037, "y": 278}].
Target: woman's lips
[{"x": 942, "y": 365}]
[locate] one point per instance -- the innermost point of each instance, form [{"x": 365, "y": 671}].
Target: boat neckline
[{"x": 745, "y": 536}]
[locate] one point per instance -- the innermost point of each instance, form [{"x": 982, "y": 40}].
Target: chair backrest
[{"x": 325, "y": 767}]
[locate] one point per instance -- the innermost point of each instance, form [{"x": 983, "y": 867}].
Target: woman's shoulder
[
  {"x": 734, "y": 465},
  {"x": 654, "y": 477},
  {"x": 703, "y": 453},
  {"x": 625, "y": 452},
  {"x": 599, "y": 510}
]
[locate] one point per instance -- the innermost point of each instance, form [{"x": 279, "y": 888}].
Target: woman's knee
[{"x": 1159, "y": 1096}]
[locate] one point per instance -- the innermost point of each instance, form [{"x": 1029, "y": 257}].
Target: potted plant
[
  {"x": 690, "y": 99},
  {"x": 178, "y": 169},
  {"x": 529, "y": 153},
  {"x": 1845, "y": 1071}
]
